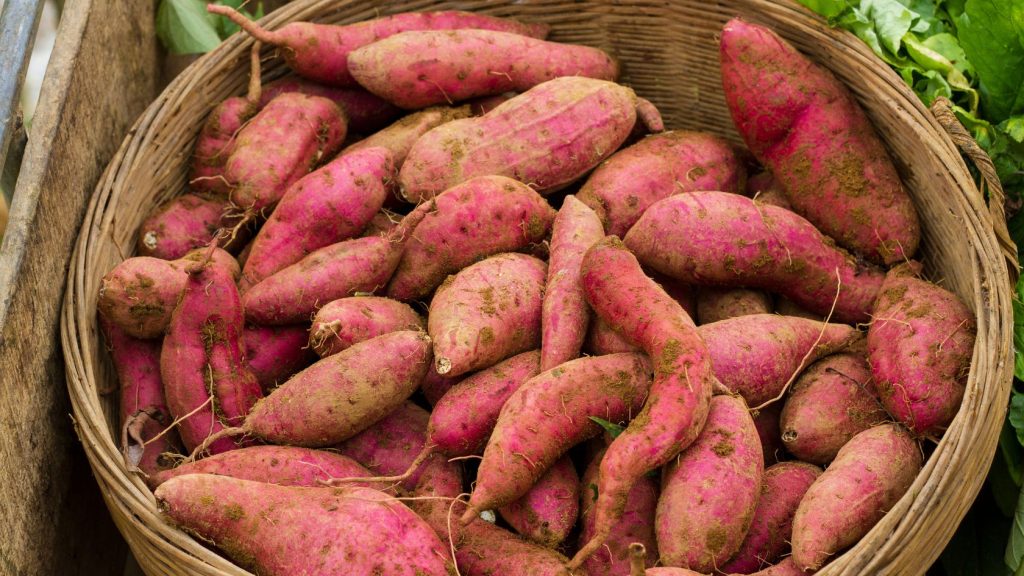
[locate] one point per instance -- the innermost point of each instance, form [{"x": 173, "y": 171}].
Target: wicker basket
[{"x": 670, "y": 55}]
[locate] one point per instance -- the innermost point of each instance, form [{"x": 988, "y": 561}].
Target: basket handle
[{"x": 943, "y": 112}]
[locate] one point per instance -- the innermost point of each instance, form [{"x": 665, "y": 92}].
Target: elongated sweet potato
[
  {"x": 184, "y": 224},
  {"x": 434, "y": 386},
  {"x": 366, "y": 113},
  {"x": 486, "y": 313},
  {"x": 869, "y": 475},
  {"x": 805, "y": 126},
  {"x": 275, "y": 353},
  {"x": 278, "y": 530},
  {"x": 392, "y": 444},
  {"x": 547, "y": 512},
  {"x": 625, "y": 185},
  {"x": 466, "y": 223},
  {"x": 714, "y": 304},
  {"x": 423, "y": 68},
  {"x": 348, "y": 321},
  {"x": 400, "y": 136},
  {"x": 546, "y": 137},
  {"x": 919, "y": 347},
  {"x": 729, "y": 240},
  {"x": 709, "y": 494}
]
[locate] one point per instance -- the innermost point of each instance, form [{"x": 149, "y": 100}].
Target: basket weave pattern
[{"x": 669, "y": 53}]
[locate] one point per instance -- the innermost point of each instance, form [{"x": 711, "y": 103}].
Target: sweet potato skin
[
  {"x": 275, "y": 353},
  {"x": 547, "y": 512},
  {"x": 486, "y": 313},
  {"x": 728, "y": 240},
  {"x": 766, "y": 420},
  {"x": 183, "y": 224},
  {"x": 347, "y": 321},
  {"x": 714, "y": 304},
  {"x": 626, "y": 184},
  {"x": 216, "y": 142},
  {"x": 603, "y": 339},
  {"x": 765, "y": 188},
  {"x": 869, "y": 475},
  {"x": 391, "y": 445},
  {"x": 525, "y": 139},
  {"x": 423, "y": 68},
  {"x": 804, "y": 125},
  {"x": 919, "y": 347},
  {"x": 709, "y": 494},
  {"x": 400, "y": 136},
  {"x": 366, "y": 113},
  {"x": 434, "y": 386}
]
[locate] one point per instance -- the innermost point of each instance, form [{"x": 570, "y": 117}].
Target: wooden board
[{"x": 104, "y": 70}]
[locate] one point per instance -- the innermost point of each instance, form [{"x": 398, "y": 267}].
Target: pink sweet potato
[
  {"x": 348, "y": 321},
  {"x": 869, "y": 475},
  {"x": 765, "y": 188},
  {"x": 709, "y": 494},
  {"x": 714, "y": 304},
  {"x": 294, "y": 294},
  {"x": 636, "y": 525},
  {"x": 466, "y": 223},
  {"x": 551, "y": 413},
  {"x": 423, "y": 68},
  {"x": 729, "y": 240},
  {"x": 486, "y": 313},
  {"x": 320, "y": 52},
  {"x": 546, "y": 137},
  {"x": 434, "y": 386},
  {"x": 919, "y": 347},
  {"x": 831, "y": 402},
  {"x": 366, "y": 113},
  {"x": 565, "y": 314},
  {"x": 185, "y": 223},
  {"x": 757, "y": 355},
  {"x": 767, "y": 540},
  {"x": 382, "y": 222},
  {"x": 278, "y": 530},
  {"x": 547, "y": 512},
  {"x": 331, "y": 204},
  {"x": 400, "y": 136},
  {"x": 140, "y": 294},
  {"x": 787, "y": 307},
  {"x": 392, "y": 444},
  {"x": 290, "y": 136},
  {"x": 805, "y": 126},
  {"x": 766, "y": 420},
  {"x": 275, "y": 353},
  {"x": 684, "y": 294},
  {"x": 603, "y": 339},
  {"x": 624, "y": 186},
  {"x": 674, "y": 414}
]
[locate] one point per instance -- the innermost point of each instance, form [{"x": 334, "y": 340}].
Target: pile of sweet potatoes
[{"x": 523, "y": 329}]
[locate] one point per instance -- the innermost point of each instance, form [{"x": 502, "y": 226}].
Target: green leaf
[
  {"x": 1015, "y": 545},
  {"x": 183, "y": 27},
  {"x": 1014, "y": 128},
  {"x": 891, "y": 19},
  {"x": 225, "y": 26},
  {"x": 1011, "y": 460},
  {"x": 827, "y": 8},
  {"x": 611, "y": 428},
  {"x": 992, "y": 35}
]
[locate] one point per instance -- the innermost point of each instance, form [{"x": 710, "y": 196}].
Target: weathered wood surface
[{"x": 103, "y": 72}]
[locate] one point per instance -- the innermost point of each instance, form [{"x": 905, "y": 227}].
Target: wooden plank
[
  {"x": 103, "y": 72},
  {"x": 19, "y": 21}
]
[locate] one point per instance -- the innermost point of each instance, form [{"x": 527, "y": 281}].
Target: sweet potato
[
  {"x": 757, "y": 355},
  {"x": 294, "y": 294},
  {"x": 382, "y": 222},
  {"x": 434, "y": 386},
  {"x": 709, "y": 494},
  {"x": 140, "y": 294},
  {"x": 639, "y": 309},
  {"x": 919, "y": 347},
  {"x": 400, "y": 136},
  {"x": 603, "y": 339},
  {"x": 728, "y": 240},
  {"x": 765, "y": 188},
  {"x": 684, "y": 294},
  {"x": 348, "y": 321},
  {"x": 625, "y": 185},
  {"x": 366, "y": 113},
  {"x": 766, "y": 420},
  {"x": 805, "y": 126},
  {"x": 528, "y": 437},
  {"x": 275, "y": 353},
  {"x": 290, "y": 136},
  {"x": 392, "y": 444},
  {"x": 830, "y": 403},
  {"x": 767, "y": 540},
  {"x": 714, "y": 304},
  {"x": 547, "y": 512},
  {"x": 546, "y": 137},
  {"x": 277, "y": 530},
  {"x": 466, "y": 223},
  {"x": 787, "y": 307},
  {"x": 423, "y": 68},
  {"x": 636, "y": 525},
  {"x": 869, "y": 475},
  {"x": 565, "y": 315},
  {"x": 486, "y": 313},
  {"x": 186, "y": 223}
]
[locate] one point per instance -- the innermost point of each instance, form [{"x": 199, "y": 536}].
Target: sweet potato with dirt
[
  {"x": 830, "y": 403},
  {"x": 467, "y": 223},
  {"x": 348, "y": 321},
  {"x": 382, "y": 222},
  {"x": 331, "y": 204},
  {"x": 565, "y": 314},
  {"x": 674, "y": 414},
  {"x": 920, "y": 344},
  {"x": 709, "y": 493},
  {"x": 546, "y": 137},
  {"x": 185, "y": 223},
  {"x": 293, "y": 294},
  {"x": 714, "y": 304},
  {"x": 869, "y": 475},
  {"x": 782, "y": 488},
  {"x": 320, "y": 52},
  {"x": 366, "y": 113},
  {"x": 547, "y": 512},
  {"x": 625, "y": 185},
  {"x": 278, "y": 530},
  {"x": 765, "y": 188},
  {"x": 486, "y": 313},
  {"x": 215, "y": 143},
  {"x": 804, "y": 125},
  {"x": 722, "y": 239},
  {"x": 400, "y": 136},
  {"x": 140, "y": 293},
  {"x": 423, "y": 68},
  {"x": 392, "y": 444},
  {"x": 434, "y": 386},
  {"x": 287, "y": 139},
  {"x": 275, "y": 353},
  {"x": 603, "y": 339}
]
